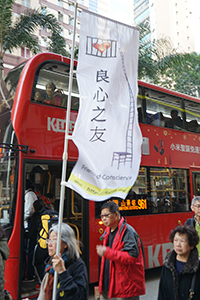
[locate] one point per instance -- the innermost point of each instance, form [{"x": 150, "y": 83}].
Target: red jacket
[{"x": 127, "y": 276}]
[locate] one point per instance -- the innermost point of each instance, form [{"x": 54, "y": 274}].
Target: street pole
[{"x": 65, "y": 153}]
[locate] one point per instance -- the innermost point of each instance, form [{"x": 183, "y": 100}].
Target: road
[{"x": 152, "y": 281}]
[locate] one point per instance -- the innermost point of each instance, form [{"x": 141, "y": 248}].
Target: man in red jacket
[{"x": 122, "y": 273}]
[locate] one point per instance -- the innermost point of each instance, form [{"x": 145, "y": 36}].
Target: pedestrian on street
[
  {"x": 72, "y": 273},
  {"x": 195, "y": 221},
  {"x": 122, "y": 273},
  {"x": 181, "y": 266}
]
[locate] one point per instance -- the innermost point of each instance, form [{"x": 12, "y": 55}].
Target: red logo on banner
[{"x": 101, "y": 47}]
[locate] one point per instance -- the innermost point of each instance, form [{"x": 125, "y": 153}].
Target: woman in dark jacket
[
  {"x": 72, "y": 273},
  {"x": 179, "y": 266},
  {"x": 4, "y": 253}
]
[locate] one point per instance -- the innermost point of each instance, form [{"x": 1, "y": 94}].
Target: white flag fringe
[{"x": 106, "y": 132}]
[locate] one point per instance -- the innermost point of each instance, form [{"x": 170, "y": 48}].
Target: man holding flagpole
[{"x": 122, "y": 273}]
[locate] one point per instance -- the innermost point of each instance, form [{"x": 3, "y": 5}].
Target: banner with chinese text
[{"x": 106, "y": 132}]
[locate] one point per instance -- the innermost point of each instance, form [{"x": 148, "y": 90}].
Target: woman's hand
[{"x": 58, "y": 264}]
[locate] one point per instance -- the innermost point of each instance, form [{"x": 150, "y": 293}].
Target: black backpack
[{"x": 48, "y": 217}]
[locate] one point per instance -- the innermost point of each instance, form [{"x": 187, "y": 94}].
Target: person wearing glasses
[
  {"x": 122, "y": 273},
  {"x": 195, "y": 221},
  {"x": 72, "y": 273}
]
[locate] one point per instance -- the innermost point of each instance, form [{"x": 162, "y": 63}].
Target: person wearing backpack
[
  {"x": 48, "y": 217},
  {"x": 122, "y": 272},
  {"x": 38, "y": 192}
]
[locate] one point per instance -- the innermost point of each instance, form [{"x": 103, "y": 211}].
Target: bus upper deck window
[
  {"x": 176, "y": 122},
  {"x": 51, "y": 85},
  {"x": 53, "y": 96}
]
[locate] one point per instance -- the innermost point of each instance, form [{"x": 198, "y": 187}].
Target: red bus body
[{"x": 42, "y": 129}]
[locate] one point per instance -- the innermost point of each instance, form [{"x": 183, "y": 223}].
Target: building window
[
  {"x": 71, "y": 7},
  {"x": 142, "y": 16},
  {"x": 25, "y": 3},
  {"x": 177, "y": 33},
  {"x": 136, "y": 1},
  {"x": 60, "y": 3},
  {"x": 188, "y": 48},
  {"x": 43, "y": 41},
  {"x": 93, "y": 5},
  {"x": 79, "y": 13},
  {"x": 71, "y": 21},
  {"x": 177, "y": 23},
  {"x": 25, "y": 52},
  {"x": 188, "y": 38},
  {"x": 62, "y": 31},
  {"x": 78, "y": 25},
  {"x": 44, "y": 10},
  {"x": 60, "y": 16}
]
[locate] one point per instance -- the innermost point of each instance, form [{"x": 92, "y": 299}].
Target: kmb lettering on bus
[
  {"x": 58, "y": 125},
  {"x": 153, "y": 256}
]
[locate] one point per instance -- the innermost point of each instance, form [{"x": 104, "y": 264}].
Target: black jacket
[
  {"x": 73, "y": 283},
  {"x": 174, "y": 287},
  {"x": 190, "y": 221}
]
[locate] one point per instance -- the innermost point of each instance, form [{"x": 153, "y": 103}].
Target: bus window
[
  {"x": 169, "y": 190},
  {"x": 137, "y": 201},
  {"x": 192, "y": 110},
  {"x": 51, "y": 85},
  {"x": 160, "y": 107},
  {"x": 9, "y": 86},
  {"x": 140, "y": 107},
  {"x": 8, "y": 179},
  {"x": 196, "y": 183}
]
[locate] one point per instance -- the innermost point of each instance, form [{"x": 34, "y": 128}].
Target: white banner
[{"x": 106, "y": 132}]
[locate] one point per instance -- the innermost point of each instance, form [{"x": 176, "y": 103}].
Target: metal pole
[{"x": 65, "y": 153}]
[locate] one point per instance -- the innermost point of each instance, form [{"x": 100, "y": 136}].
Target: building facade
[
  {"x": 173, "y": 19},
  {"x": 62, "y": 10}
]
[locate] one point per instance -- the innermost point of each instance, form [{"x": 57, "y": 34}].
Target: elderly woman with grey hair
[{"x": 72, "y": 273}]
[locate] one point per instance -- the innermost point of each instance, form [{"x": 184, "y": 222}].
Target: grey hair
[
  {"x": 69, "y": 238},
  {"x": 196, "y": 198}
]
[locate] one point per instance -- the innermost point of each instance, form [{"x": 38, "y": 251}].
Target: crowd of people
[
  {"x": 122, "y": 272},
  {"x": 51, "y": 95},
  {"x": 175, "y": 122}
]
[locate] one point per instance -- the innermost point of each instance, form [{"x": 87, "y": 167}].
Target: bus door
[
  {"x": 45, "y": 177},
  {"x": 195, "y": 181}
]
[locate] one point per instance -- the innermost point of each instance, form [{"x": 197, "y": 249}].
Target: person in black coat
[
  {"x": 72, "y": 273},
  {"x": 179, "y": 266},
  {"x": 195, "y": 221},
  {"x": 32, "y": 235}
]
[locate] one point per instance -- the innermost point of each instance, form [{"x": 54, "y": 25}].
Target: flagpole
[{"x": 65, "y": 153}]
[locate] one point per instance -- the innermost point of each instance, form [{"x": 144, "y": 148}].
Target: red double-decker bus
[{"x": 32, "y": 127}]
